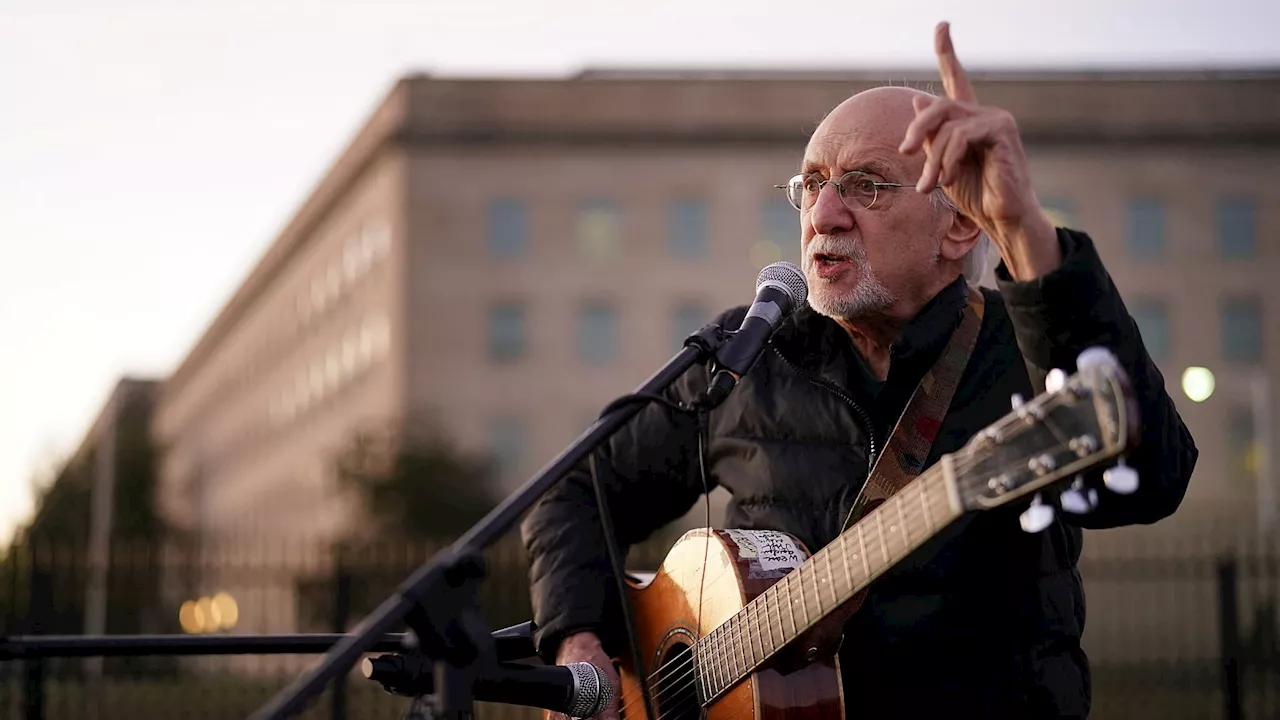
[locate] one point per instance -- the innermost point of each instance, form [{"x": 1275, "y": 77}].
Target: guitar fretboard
[{"x": 827, "y": 580}]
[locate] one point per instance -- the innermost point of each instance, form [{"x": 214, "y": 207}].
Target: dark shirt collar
[{"x": 814, "y": 341}]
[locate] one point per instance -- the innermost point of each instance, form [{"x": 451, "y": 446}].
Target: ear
[{"x": 959, "y": 237}]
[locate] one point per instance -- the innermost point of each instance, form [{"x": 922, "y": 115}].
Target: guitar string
[
  {"x": 689, "y": 667},
  {"x": 963, "y": 464},
  {"x": 669, "y": 681}
]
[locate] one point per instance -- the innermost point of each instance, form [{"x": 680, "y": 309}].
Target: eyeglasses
[{"x": 802, "y": 190}]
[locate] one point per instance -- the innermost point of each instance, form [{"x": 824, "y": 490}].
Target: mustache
[{"x": 832, "y": 245}]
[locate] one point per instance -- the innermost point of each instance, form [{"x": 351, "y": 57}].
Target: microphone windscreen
[{"x": 788, "y": 278}]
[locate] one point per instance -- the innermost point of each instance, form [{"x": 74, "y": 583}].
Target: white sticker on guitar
[{"x": 771, "y": 549}]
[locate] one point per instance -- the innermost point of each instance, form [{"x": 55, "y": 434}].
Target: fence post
[
  {"x": 1229, "y": 642},
  {"x": 341, "y": 616},
  {"x": 39, "y": 604}
]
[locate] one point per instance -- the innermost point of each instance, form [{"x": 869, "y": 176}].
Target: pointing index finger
[{"x": 954, "y": 78}]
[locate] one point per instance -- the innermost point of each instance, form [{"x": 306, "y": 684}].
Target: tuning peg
[
  {"x": 1078, "y": 499},
  {"x": 1121, "y": 479},
  {"x": 1037, "y": 517},
  {"x": 1094, "y": 357},
  {"x": 1015, "y": 400},
  {"x": 1054, "y": 381}
]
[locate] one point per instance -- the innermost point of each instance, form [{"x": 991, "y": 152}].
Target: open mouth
[
  {"x": 830, "y": 266},
  {"x": 829, "y": 259}
]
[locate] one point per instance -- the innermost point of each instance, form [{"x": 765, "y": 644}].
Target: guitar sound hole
[{"x": 675, "y": 694}]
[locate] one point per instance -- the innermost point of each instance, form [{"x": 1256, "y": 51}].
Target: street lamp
[{"x": 1198, "y": 383}]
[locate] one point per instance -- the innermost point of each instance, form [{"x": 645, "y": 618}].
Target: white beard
[{"x": 869, "y": 295}]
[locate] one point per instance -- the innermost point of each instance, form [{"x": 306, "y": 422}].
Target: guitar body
[{"x": 706, "y": 578}]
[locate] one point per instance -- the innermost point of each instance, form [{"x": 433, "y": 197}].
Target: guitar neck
[{"x": 827, "y": 580}]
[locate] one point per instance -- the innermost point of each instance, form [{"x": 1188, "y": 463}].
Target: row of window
[
  {"x": 343, "y": 271},
  {"x": 598, "y": 333},
  {"x": 249, "y": 359},
  {"x": 1240, "y": 333},
  {"x": 598, "y": 227},
  {"x": 1146, "y": 226},
  {"x": 598, "y": 231},
  {"x": 345, "y": 359}
]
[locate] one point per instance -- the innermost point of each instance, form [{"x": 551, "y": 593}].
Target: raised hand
[{"x": 975, "y": 154}]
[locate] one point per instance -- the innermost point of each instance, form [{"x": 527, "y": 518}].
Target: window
[
  {"x": 375, "y": 241},
  {"x": 508, "y": 442},
  {"x": 506, "y": 331},
  {"x": 687, "y": 228},
  {"x": 597, "y": 333},
  {"x": 1061, "y": 212},
  {"x": 506, "y": 228},
  {"x": 688, "y": 318},
  {"x": 1146, "y": 229},
  {"x": 1152, "y": 317},
  {"x": 375, "y": 337},
  {"x": 1241, "y": 328},
  {"x": 781, "y": 233},
  {"x": 599, "y": 229},
  {"x": 1243, "y": 452},
  {"x": 1236, "y": 229}
]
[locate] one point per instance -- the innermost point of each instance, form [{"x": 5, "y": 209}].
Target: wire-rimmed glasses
[{"x": 802, "y": 190}]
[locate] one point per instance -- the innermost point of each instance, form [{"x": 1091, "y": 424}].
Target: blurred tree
[
  {"x": 44, "y": 572},
  {"x": 417, "y": 486},
  {"x": 419, "y": 492}
]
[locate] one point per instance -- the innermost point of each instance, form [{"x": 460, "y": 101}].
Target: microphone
[
  {"x": 579, "y": 690},
  {"x": 780, "y": 290}
]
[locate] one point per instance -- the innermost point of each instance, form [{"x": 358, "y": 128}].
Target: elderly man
[{"x": 896, "y": 189}]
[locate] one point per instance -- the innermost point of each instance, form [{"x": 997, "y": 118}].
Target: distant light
[
  {"x": 1197, "y": 383},
  {"x": 228, "y": 610},
  {"x": 188, "y": 618},
  {"x": 210, "y": 613}
]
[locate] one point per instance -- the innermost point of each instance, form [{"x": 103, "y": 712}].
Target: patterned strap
[{"x": 904, "y": 455}]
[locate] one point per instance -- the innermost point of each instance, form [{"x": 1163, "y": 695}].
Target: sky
[{"x": 151, "y": 151}]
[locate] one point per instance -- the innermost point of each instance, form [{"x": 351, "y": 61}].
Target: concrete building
[{"x": 506, "y": 256}]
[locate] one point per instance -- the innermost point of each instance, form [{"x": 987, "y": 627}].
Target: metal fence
[{"x": 1183, "y": 634}]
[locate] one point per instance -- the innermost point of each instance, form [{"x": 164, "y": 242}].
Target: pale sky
[{"x": 149, "y": 151}]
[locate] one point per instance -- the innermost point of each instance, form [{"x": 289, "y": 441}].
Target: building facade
[{"x": 504, "y": 257}]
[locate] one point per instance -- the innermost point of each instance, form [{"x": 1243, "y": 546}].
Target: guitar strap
[{"x": 907, "y": 449}]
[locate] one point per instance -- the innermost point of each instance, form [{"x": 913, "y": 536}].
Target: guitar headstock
[{"x": 1081, "y": 421}]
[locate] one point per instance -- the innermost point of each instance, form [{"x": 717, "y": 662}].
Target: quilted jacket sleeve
[{"x": 1057, "y": 316}]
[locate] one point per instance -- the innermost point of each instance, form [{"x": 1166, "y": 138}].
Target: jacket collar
[{"x": 819, "y": 344}]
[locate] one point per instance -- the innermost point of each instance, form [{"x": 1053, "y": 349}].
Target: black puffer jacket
[{"x": 984, "y": 620}]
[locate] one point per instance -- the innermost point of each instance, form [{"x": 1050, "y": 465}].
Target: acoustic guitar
[{"x": 746, "y": 623}]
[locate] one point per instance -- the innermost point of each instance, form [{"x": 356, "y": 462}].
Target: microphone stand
[{"x": 438, "y": 601}]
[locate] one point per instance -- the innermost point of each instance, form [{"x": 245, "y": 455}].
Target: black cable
[
  {"x": 701, "y": 409},
  {"x": 624, "y": 600},
  {"x": 704, "y": 443}
]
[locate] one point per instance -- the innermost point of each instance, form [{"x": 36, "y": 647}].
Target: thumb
[{"x": 921, "y": 102}]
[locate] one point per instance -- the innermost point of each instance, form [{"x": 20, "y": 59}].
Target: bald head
[
  {"x": 894, "y": 244},
  {"x": 878, "y": 117}
]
